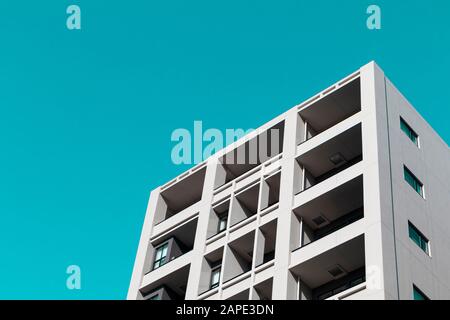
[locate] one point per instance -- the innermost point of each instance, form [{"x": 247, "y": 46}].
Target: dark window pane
[
  {"x": 419, "y": 295},
  {"x": 413, "y": 181},
  {"x": 160, "y": 256},
  {"x": 408, "y": 131},
  {"x": 418, "y": 238}
]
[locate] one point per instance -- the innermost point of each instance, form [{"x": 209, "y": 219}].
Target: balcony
[
  {"x": 180, "y": 196},
  {"x": 263, "y": 290},
  {"x": 270, "y": 191},
  {"x": 250, "y": 155},
  {"x": 211, "y": 274},
  {"x": 266, "y": 240},
  {"x": 170, "y": 287},
  {"x": 332, "y": 272},
  {"x": 328, "y": 213},
  {"x": 239, "y": 257},
  {"x": 328, "y": 159},
  {"x": 218, "y": 219},
  {"x": 333, "y": 108},
  {"x": 245, "y": 204},
  {"x": 172, "y": 245}
]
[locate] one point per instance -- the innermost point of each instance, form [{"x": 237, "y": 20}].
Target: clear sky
[{"x": 86, "y": 116}]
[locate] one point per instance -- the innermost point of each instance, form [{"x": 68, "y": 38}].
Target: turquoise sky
[{"x": 86, "y": 116}]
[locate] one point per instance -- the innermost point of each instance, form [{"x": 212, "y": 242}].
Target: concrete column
[
  {"x": 264, "y": 195},
  {"x": 260, "y": 242},
  {"x": 144, "y": 250},
  {"x": 201, "y": 233},
  {"x": 254, "y": 295},
  {"x": 282, "y": 283},
  {"x": 378, "y": 210}
]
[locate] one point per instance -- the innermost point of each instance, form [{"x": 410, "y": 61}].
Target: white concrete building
[{"x": 355, "y": 205}]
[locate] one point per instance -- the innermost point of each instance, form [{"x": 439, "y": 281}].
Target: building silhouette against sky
[{"x": 355, "y": 205}]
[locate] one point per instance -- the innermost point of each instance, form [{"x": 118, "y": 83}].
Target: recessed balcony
[
  {"x": 239, "y": 257},
  {"x": 245, "y": 205},
  {"x": 211, "y": 274},
  {"x": 218, "y": 219},
  {"x": 172, "y": 245},
  {"x": 266, "y": 240},
  {"x": 332, "y": 272},
  {"x": 170, "y": 287},
  {"x": 270, "y": 193},
  {"x": 180, "y": 196},
  {"x": 328, "y": 213},
  {"x": 263, "y": 290},
  {"x": 328, "y": 159},
  {"x": 250, "y": 155},
  {"x": 335, "y": 107}
]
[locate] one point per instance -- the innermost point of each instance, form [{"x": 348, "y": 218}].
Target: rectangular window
[
  {"x": 418, "y": 238},
  {"x": 160, "y": 255},
  {"x": 413, "y": 181},
  {"x": 215, "y": 277},
  {"x": 418, "y": 294},
  {"x": 222, "y": 224},
  {"x": 409, "y": 132}
]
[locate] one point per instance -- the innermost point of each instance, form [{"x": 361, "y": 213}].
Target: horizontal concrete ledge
[
  {"x": 328, "y": 184},
  {"x": 264, "y": 272},
  {"x": 327, "y": 243},
  {"x": 328, "y": 134},
  {"x": 168, "y": 268},
  {"x": 212, "y": 294},
  {"x": 183, "y": 176},
  {"x": 236, "y": 279},
  {"x": 243, "y": 223},
  {"x": 176, "y": 220},
  {"x": 215, "y": 237},
  {"x": 349, "y": 292}
]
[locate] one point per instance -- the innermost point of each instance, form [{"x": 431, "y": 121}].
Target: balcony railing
[
  {"x": 340, "y": 223},
  {"x": 331, "y": 173},
  {"x": 341, "y": 286},
  {"x": 334, "y": 226}
]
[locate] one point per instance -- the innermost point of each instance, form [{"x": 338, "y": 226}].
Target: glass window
[
  {"x": 215, "y": 277},
  {"x": 160, "y": 255},
  {"x": 418, "y": 238},
  {"x": 413, "y": 181},
  {"x": 222, "y": 223},
  {"x": 419, "y": 295},
  {"x": 409, "y": 132},
  {"x": 155, "y": 297}
]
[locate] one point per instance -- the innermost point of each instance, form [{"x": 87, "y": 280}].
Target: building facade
[{"x": 348, "y": 197}]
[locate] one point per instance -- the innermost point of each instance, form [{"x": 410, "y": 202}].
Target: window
[
  {"x": 418, "y": 294},
  {"x": 222, "y": 224},
  {"x": 413, "y": 181},
  {"x": 409, "y": 132},
  {"x": 155, "y": 294},
  {"x": 160, "y": 255},
  {"x": 155, "y": 297},
  {"x": 215, "y": 277},
  {"x": 419, "y": 239}
]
